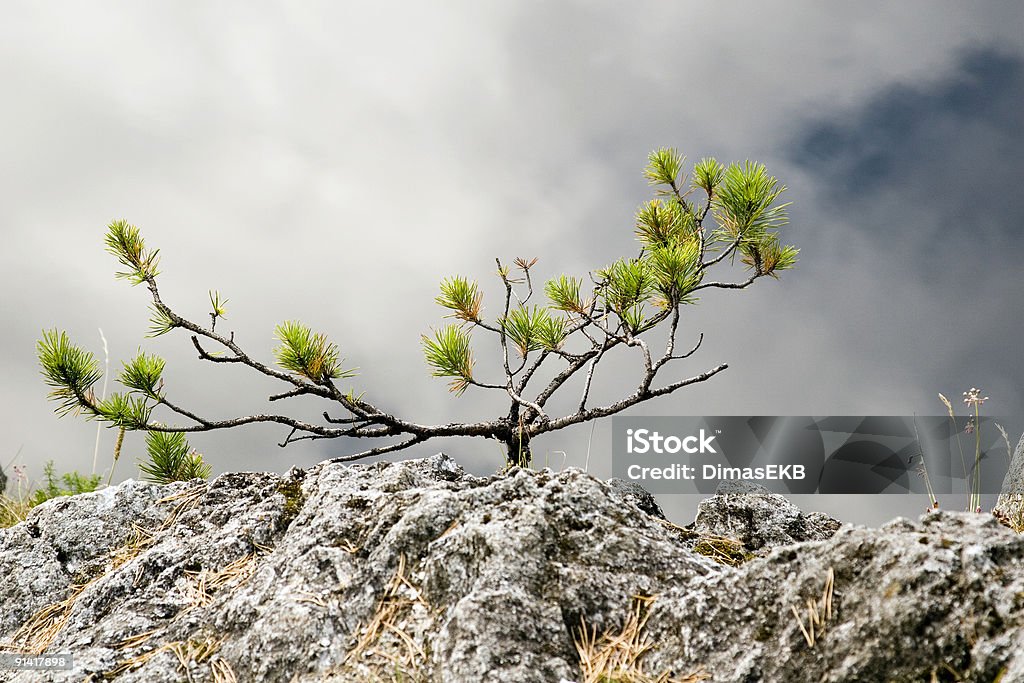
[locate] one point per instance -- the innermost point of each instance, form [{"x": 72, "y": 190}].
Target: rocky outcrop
[
  {"x": 415, "y": 571},
  {"x": 759, "y": 519},
  {"x": 1009, "y": 507}
]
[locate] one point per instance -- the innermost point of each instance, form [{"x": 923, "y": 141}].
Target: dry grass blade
[
  {"x": 140, "y": 539},
  {"x": 133, "y": 642},
  {"x": 819, "y": 612},
  {"x": 187, "y": 652},
  {"x": 201, "y": 585},
  {"x": 127, "y": 665},
  {"x": 618, "y": 656},
  {"x": 36, "y": 634},
  {"x": 386, "y": 651},
  {"x": 310, "y": 598},
  {"x": 391, "y": 605},
  {"x": 12, "y": 511},
  {"x": 263, "y": 548},
  {"x": 727, "y": 551},
  {"x": 222, "y": 671},
  {"x": 185, "y": 501},
  {"x": 194, "y": 651}
]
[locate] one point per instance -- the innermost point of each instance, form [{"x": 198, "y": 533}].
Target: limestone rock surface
[
  {"x": 759, "y": 519},
  {"x": 416, "y": 571}
]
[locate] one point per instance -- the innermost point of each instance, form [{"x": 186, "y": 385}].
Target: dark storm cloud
[
  {"x": 923, "y": 182},
  {"x": 951, "y": 147}
]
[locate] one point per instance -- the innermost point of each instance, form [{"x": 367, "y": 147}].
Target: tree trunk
[{"x": 517, "y": 447}]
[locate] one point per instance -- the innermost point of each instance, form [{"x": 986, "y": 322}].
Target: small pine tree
[
  {"x": 172, "y": 459},
  {"x": 681, "y": 239}
]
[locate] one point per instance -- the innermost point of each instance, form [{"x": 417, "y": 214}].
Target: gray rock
[
  {"x": 417, "y": 571},
  {"x": 638, "y": 495},
  {"x": 910, "y": 601},
  {"x": 1010, "y": 504},
  {"x": 1013, "y": 482},
  {"x": 291, "y": 571},
  {"x": 759, "y": 519}
]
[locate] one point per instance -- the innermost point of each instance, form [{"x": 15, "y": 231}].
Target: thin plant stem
[
  {"x": 106, "y": 374},
  {"x": 976, "y": 497},
  {"x": 960, "y": 446},
  {"x": 924, "y": 468},
  {"x": 586, "y": 465}
]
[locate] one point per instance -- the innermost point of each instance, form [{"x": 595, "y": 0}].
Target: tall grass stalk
[
  {"x": 590, "y": 442},
  {"x": 952, "y": 419},
  {"x": 923, "y": 471},
  {"x": 975, "y": 399},
  {"x": 106, "y": 373}
]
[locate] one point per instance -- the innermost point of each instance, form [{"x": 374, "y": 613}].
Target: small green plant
[
  {"x": 694, "y": 223},
  {"x": 171, "y": 459},
  {"x": 68, "y": 484}
]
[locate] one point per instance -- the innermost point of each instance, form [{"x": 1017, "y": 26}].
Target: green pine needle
[
  {"x": 70, "y": 370},
  {"x": 635, "y": 317},
  {"x": 218, "y": 304},
  {"x": 551, "y": 333},
  {"x": 171, "y": 459},
  {"x": 124, "y": 241},
  {"x": 142, "y": 373},
  {"x": 125, "y": 410},
  {"x": 531, "y": 329},
  {"x": 450, "y": 355},
  {"x": 461, "y": 296},
  {"x": 664, "y": 167},
  {"x": 159, "y": 322},
  {"x": 310, "y": 355},
  {"x": 564, "y": 293},
  {"x": 707, "y": 174},
  {"x": 676, "y": 269},
  {"x": 627, "y": 283},
  {"x": 659, "y": 223},
  {"x": 771, "y": 255},
  {"x": 745, "y": 202}
]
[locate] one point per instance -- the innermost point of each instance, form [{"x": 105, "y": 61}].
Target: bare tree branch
[
  {"x": 634, "y": 398},
  {"x": 729, "y": 285}
]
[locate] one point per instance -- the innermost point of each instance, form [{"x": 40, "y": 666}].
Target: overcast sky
[{"x": 331, "y": 163}]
